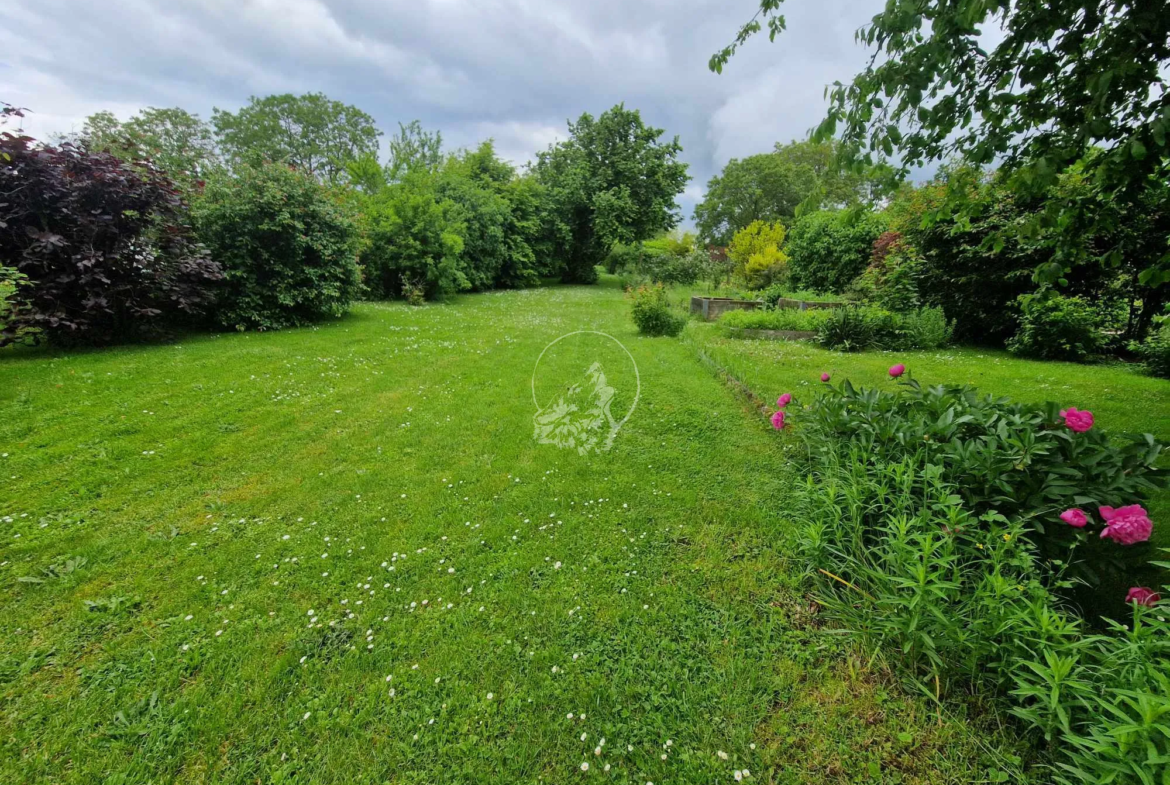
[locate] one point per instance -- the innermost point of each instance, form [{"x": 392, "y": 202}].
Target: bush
[
  {"x": 855, "y": 329},
  {"x": 12, "y": 321},
  {"x": 104, "y": 247},
  {"x": 828, "y": 249},
  {"x": 413, "y": 236},
  {"x": 756, "y": 253},
  {"x": 1058, "y": 328},
  {"x": 653, "y": 313},
  {"x": 640, "y": 261},
  {"x": 891, "y": 279},
  {"x": 929, "y": 521},
  {"x": 1155, "y": 351},
  {"x": 288, "y": 250},
  {"x": 778, "y": 319}
]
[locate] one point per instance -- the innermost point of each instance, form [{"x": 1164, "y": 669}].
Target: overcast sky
[{"x": 513, "y": 70}]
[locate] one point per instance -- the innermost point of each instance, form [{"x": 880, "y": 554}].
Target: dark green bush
[
  {"x": 1058, "y": 328},
  {"x": 287, "y": 249},
  {"x": 1155, "y": 351},
  {"x": 653, "y": 313},
  {"x": 828, "y": 249}
]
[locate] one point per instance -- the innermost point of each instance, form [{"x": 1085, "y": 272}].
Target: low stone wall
[
  {"x": 774, "y": 335},
  {"x": 804, "y": 305},
  {"x": 711, "y": 308}
]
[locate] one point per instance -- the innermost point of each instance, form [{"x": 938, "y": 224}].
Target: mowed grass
[{"x": 338, "y": 555}]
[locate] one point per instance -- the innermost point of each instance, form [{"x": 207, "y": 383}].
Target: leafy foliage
[
  {"x": 287, "y": 248},
  {"x": 756, "y": 253},
  {"x": 414, "y": 149},
  {"x": 1155, "y": 351},
  {"x": 653, "y": 313},
  {"x": 775, "y": 319},
  {"x": 771, "y": 186},
  {"x": 1065, "y": 77},
  {"x": 927, "y": 519},
  {"x": 413, "y": 238},
  {"x": 612, "y": 181},
  {"x": 891, "y": 279},
  {"x": 1058, "y": 328},
  {"x": 858, "y": 329},
  {"x": 101, "y": 250},
  {"x": 828, "y": 249},
  {"x": 310, "y": 132},
  {"x": 1019, "y": 461},
  {"x": 176, "y": 141}
]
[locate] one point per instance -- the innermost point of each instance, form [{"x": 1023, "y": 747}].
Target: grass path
[{"x": 338, "y": 555}]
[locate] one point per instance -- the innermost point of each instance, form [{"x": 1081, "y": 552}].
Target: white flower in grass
[
  {"x": 585, "y": 766},
  {"x": 490, "y": 696},
  {"x": 307, "y": 715},
  {"x": 722, "y": 755},
  {"x": 738, "y": 775}
]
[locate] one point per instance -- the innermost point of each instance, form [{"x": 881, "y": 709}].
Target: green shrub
[
  {"x": 12, "y": 327},
  {"x": 414, "y": 235},
  {"x": 653, "y": 313},
  {"x": 828, "y": 249},
  {"x": 623, "y": 258},
  {"x": 891, "y": 279},
  {"x": 1155, "y": 351},
  {"x": 1058, "y": 328},
  {"x": 855, "y": 329},
  {"x": 756, "y": 251},
  {"x": 775, "y": 319},
  {"x": 644, "y": 262},
  {"x": 288, "y": 251}
]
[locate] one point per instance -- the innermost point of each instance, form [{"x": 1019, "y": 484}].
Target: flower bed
[{"x": 949, "y": 529}]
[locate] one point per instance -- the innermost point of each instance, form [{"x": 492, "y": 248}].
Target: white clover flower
[
  {"x": 722, "y": 755},
  {"x": 585, "y": 766}
]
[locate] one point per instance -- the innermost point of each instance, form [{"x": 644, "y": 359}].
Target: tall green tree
[
  {"x": 1065, "y": 77},
  {"x": 177, "y": 141},
  {"x": 414, "y": 148},
  {"x": 612, "y": 181},
  {"x": 310, "y": 132},
  {"x": 771, "y": 186}
]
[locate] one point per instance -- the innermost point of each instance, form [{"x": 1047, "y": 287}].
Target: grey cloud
[{"x": 514, "y": 70}]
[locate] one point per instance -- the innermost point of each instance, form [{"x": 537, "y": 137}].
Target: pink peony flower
[
  {"x": 778, "y": 420},
  {"x": 1074, "y": 517},
  {"x": 1126, "y": 525},
  {"x": 824, "y": 377},
  {"x": 1076, "y": 419},
  {"x": 784, "y": 400},
  {"x": 897, "y": 370},
  {"x": 1143, "y": 596}
]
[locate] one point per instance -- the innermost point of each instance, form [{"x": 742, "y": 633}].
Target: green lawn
[{"x": 338, "y": 555}]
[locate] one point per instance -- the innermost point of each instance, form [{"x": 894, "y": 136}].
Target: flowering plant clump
[{"x": 778, "y": 420}]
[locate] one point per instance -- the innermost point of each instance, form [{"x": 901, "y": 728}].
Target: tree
[
  {"x": 1066, "y": 77},
  {"x": 496, "y": 233},
  {"x": 310, "y": 132},
  {"x": 613, "y": 180},
  {"x": 829, "y": 248},
  {"x": 102, "y": 251},
  {"x": 756, "y": 252},
  {"x": 287, "y": 247},
  {"x": 415, "y": 240},
  {"x": 413, "y": 149},
  {"x": 771, "y": 186},
  {"x": 175, "y": 140}
]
